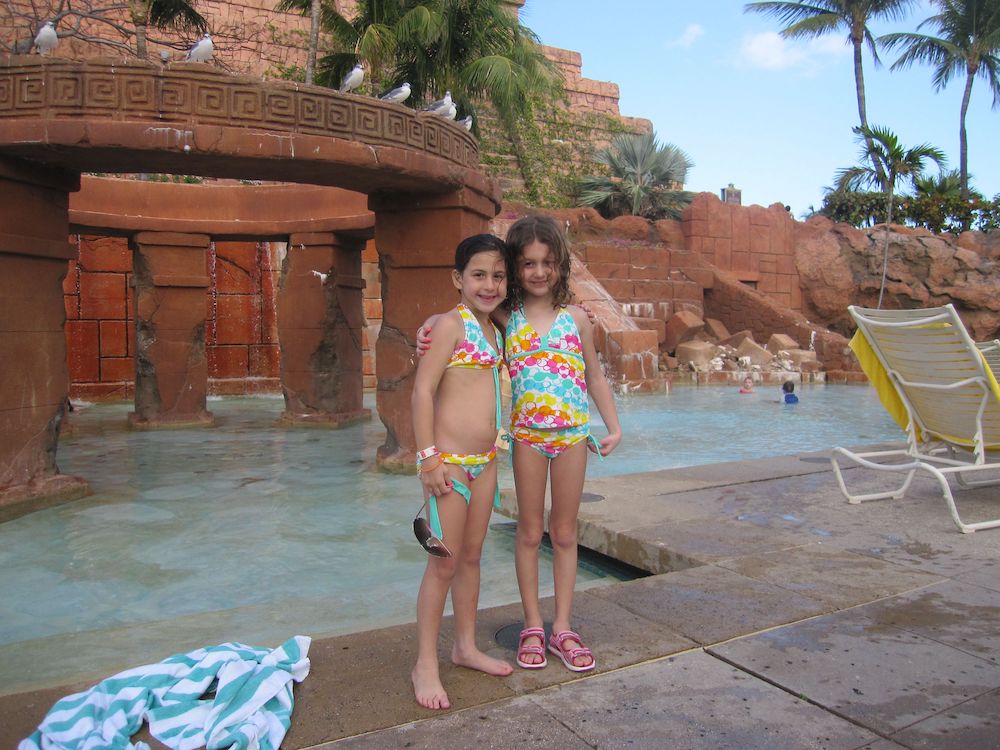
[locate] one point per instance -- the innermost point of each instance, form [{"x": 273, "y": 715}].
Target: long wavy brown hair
[{"x": 521, "y": 234}]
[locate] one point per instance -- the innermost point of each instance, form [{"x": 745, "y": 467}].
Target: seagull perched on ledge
[
  {"x": 353, "y": 79},
  {"x": 46, "y": 39},
  {"x": 397, "y": 95},
  {"x": 441, "y": 106},
  {"x": 466, "y": 122},
  {"x": 202, "y": 51}
]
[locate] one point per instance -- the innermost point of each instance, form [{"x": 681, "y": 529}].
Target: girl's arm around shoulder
[{"x": 597, "y": 384}]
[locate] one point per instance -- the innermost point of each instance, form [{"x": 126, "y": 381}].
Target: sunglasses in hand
[{"x": 422, "y": 530}]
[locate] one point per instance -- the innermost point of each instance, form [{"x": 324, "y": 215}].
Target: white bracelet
[{"x": 427, "y": 453}]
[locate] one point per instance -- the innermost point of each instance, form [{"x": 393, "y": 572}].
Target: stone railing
[{"x": 189, "y": 94}]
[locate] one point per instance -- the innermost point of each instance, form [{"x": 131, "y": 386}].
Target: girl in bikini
[
  {"x": 553, "y": 368},
  {"x": 456, "y": 407}
]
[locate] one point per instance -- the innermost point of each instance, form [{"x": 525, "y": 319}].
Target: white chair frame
[{"x": 940, "y": 376}]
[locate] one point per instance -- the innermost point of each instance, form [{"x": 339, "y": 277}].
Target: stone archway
[{"x": 60, "y": 118}]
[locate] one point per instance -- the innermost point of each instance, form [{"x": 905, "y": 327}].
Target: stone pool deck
[{"x": 783, "y": 618}]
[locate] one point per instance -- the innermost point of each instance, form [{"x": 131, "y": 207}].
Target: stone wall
[
  {"x": 241, "y": 324},
  {"x": 754, "y": 243},
  {"x": 241, "y": 332}
]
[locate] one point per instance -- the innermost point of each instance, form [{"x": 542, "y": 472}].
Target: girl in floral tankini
[{"x": 549, "y": 348}]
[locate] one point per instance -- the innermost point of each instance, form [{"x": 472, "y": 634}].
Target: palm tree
[
  {"x": 968, "y": 41},
  {"x": 885, "y": 161},
  {"x": 646, "y": 179},
  {"x": 163, "y": 14},
  {"x": 477, "y": 49},
  {"x": 945, "y": 185},
  {"x": 820, "y": 17}
]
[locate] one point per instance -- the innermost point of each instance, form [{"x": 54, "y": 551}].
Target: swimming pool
[{"x": 253, "y": 532}]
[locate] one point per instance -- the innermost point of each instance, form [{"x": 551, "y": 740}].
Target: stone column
[
  {"x": 171, "y": 370},
  {"x": 416, "y": 237},
  {"x": 320, "y": 324},
  {"x": 34, "y": 376}
]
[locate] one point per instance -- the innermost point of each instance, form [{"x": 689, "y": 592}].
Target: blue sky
[{"x": 771, "y": 116}]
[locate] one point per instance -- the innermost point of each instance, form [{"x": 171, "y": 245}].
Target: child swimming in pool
[
  {"x": 788, "y": 392},
  {"x": 456, "y": 414}
]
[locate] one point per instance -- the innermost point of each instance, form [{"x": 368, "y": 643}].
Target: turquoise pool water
[{"x": 252, "y": 532}]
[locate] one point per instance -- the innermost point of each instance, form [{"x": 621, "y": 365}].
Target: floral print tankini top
[{"x": 547, "y": 373}]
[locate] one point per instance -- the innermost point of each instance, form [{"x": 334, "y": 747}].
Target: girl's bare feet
[
  {"x": 473, "y": 658},
  {"x": 427, "y": 687}
]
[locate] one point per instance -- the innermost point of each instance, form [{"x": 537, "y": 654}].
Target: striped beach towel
[{"x": 226, "y": 696}]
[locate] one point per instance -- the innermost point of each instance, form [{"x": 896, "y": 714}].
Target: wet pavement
[{"x": 778, "y": 616}]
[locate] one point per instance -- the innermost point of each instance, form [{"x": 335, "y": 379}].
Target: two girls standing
[{"x": 549, "y": 349}]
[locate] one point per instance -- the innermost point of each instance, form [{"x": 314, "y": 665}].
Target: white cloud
[
  {"x": 771, "y": 51},
  {"x": 691, "y": 34}
]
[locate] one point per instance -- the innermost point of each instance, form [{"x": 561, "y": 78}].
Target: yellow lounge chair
[{"x": 941, "y": 388}]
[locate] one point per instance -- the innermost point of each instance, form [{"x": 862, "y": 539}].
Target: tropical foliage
[
  {"x": 644, "y": 179},
  {"x": 967, "y": 41},
  {"x": 821, "y": 17},
  {"x": 934, "y": 212},
  {"x": 476, "y": 49},
  {"x": 884, "y": 163},
  {"x": 99, "y": 22}
]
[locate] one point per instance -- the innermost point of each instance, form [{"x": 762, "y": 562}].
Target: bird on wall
[
  {"x": 202, "y": 51},
  {"x": 353, "y": 79},
  {"x": 449, "y": 114},
  {"x": 397, "y": 95},
  {"x": 164, "y": 56},
  {"x": 46, "y": 39},
  {"x": 466, "y": 122},
  {"x": 441, "y": 106}
]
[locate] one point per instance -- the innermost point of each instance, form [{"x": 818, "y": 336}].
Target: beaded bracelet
[
  {"x": 427, "y": 453},
  {"x": 423, "y": 468}
]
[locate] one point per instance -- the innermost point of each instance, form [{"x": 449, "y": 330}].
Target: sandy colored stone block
[
  {"x": 758, "y": 355},
  {"x": 716, "y": 329},
  {"x": 781, "y": 342},
  {"x": 697, "y": 353},
  {"x": 801, "y": 356},
  {"x": 737, "y": 338},
  {"x": 681, "y": 326}
]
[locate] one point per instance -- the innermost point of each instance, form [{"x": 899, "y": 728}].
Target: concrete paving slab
[
  {"x": 710, "y": 541},
  {"x": 507, "y": 725},
  {"x": 695, "y": 702},
  {"x": 836, "y": 578},
  {"x": 711, "y": 604},
  {"x": 961, "y": 615},
  {"x": 986, "y": 575},
  {"x": 742, "y": 472},
  {"x": 973, "y": 725},
  {"x": 882, "y": 677},
  {"x": 360, "y": 683}
]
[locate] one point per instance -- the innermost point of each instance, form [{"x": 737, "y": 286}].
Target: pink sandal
[
  {"x": 557, "y": 645},
  {"x": 524, "y": 650}
]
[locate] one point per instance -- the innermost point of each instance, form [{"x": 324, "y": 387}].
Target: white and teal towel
[{"x": 227, "y": 696}]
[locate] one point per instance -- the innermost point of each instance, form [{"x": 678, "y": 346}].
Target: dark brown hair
[{"x": 542, "y": 229}]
